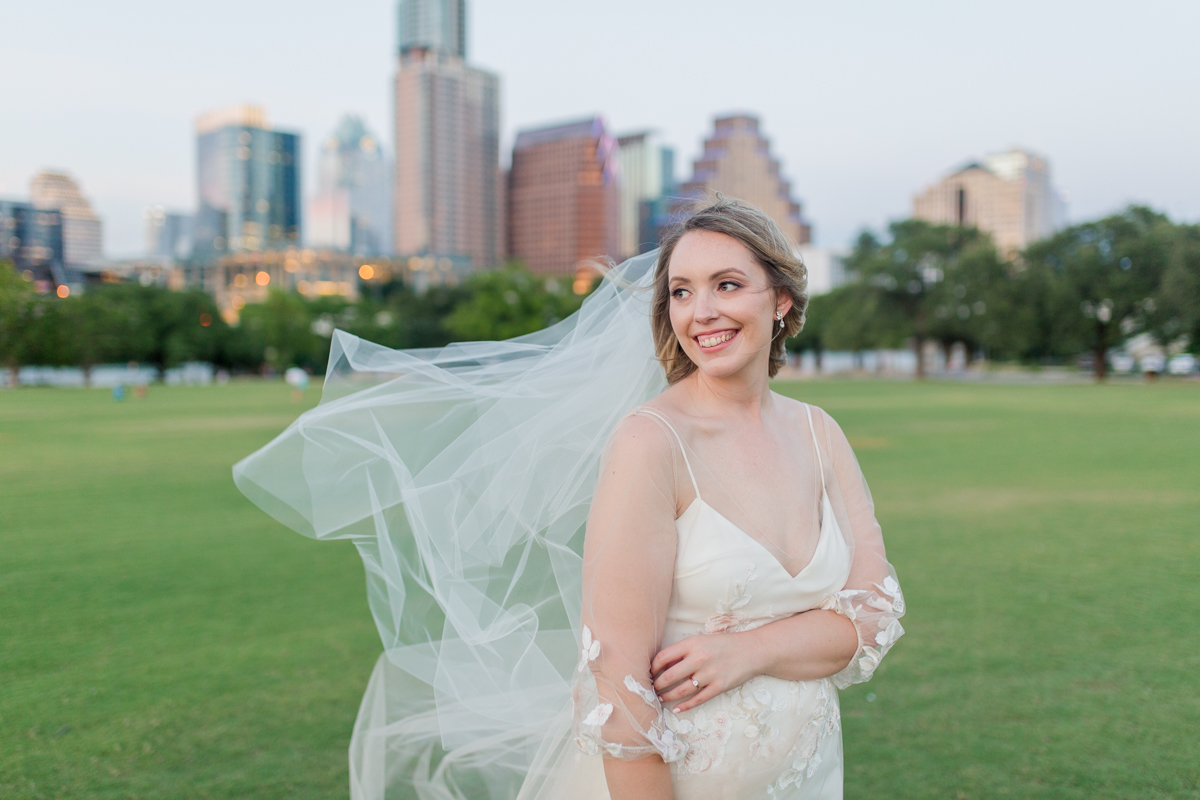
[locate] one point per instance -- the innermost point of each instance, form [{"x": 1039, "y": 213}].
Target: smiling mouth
[{"x": 714, "y": 339}]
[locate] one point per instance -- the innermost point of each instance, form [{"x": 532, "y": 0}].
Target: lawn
[{"x": 161, "y": 637}]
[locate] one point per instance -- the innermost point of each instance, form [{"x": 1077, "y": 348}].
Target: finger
[
  {"x": 677, "y": 694},
  {"x": 705, "y": 694},
  {"x": 673, "y": 675},
  {"x": 668, "y": 656},
  {"x": 662, "y": 668}
]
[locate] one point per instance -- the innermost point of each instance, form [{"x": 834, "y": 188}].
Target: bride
[{"x": 606, "y": 560}]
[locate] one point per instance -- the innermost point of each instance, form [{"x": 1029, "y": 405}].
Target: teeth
[{"x": 712, "y": 341}]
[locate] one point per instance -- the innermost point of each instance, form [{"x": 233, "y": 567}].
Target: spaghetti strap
[
  {"x": 816, "y": 449},
  {"x": 682, "y": 450}
]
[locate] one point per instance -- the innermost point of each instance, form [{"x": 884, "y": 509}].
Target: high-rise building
[
  {"x": 439, "y": 25},
  {"x": 1009, "y": 195},
  {"x": 82, "y": 231},
  {"x": 826, "y": 268},
  {"x": 448, "y": 193},
  {"x": 168, "y": 234},
  {"x": 737, "y": 162},
  {"x": 248, "y": 184},
  {"x": 32, "y": 239},
  {"x": 352, "y": 210},
  {"x": 564, "y": 197},
  {"x": 647, "y": 174}
]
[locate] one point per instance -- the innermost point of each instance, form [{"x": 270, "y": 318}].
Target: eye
[
  {"x": 732, "y": 284},
  {"x": 680, "y": 293}
]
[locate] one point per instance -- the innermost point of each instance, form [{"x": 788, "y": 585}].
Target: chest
[{"x": 727, "y": 581}]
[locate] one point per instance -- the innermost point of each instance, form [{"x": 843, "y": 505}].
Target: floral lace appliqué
[
  {"x": 729, "y": 618},
  {"x": 804, "y": 756},
  {"x": 875, "y": 617},
  {"x": 706, "y": 740}
]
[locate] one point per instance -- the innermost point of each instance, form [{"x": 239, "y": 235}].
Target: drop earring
[{"x": 779, "y": 316}]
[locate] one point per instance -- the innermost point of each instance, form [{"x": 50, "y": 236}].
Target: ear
[{"x": 783, "y": 303}]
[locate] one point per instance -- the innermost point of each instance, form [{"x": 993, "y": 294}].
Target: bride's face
[{"x": 722, "y": 305}]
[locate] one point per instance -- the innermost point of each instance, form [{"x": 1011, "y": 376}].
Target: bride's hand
[{"x": 717, "y": 662}]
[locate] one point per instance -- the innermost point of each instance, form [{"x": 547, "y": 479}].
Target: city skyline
[{"x": 862, "y": 115}]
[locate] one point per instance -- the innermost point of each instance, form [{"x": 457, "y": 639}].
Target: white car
[
  {"x": 1153, "y": 363},
  {"x": 1182, "y": 364},
  {"x": 1121, "y": 362}
]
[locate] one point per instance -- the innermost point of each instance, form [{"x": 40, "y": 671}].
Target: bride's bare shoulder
[
  {"x": 640, "y": 437},
  {"x": 796, "y": 412}
]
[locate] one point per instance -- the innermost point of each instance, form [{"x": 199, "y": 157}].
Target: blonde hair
[{"x": 770, "y": 248}]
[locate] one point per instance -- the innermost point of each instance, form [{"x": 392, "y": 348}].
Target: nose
[{"x": 704, "y": 309}]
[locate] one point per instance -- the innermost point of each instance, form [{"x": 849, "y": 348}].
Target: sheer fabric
[
  {"x": 465, "y": 478},
  {"x": 675, "y": 548},
  {"x": 463, "y": 475}
]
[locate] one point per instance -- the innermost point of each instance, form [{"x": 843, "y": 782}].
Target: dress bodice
[
  {"x": 768, "y": 737},
  {"x": 725, "y": 580}
]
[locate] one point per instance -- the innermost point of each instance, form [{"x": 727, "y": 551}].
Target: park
[{"x": 164, "y": 638}]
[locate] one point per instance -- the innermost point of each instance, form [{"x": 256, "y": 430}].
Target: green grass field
[{"x": 161, "y": 637}]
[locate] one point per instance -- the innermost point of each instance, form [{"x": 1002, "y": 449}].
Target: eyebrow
[{"x": 714, "y": 276}]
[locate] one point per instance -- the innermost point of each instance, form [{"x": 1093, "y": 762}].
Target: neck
[{"x": 745, "y": 393}]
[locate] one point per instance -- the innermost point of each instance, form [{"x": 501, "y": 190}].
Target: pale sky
[{"x": 865, "y": 101}]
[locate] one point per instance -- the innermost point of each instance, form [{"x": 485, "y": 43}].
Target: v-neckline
[{"x": 825, "y": 517}]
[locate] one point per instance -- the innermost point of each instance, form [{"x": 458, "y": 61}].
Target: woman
[
  {"x": 734, "y": 572},
  {"x": 664, "y": 616}
]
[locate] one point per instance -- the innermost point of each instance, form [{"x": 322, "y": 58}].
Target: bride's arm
[
  {"x": 629, "y": 559},
  {"x": 845, "y": 639},
  {"x": 809, "y": 646}
]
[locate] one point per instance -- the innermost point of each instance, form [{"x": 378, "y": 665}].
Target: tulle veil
[{"x": 463, "y": 475}]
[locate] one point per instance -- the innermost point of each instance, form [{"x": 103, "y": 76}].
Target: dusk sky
[{"x": 865, "y": 102}]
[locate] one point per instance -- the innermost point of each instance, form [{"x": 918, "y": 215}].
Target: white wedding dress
[
  {"x": 769, "y": 738},
  {"x": 466, "y": 477}
]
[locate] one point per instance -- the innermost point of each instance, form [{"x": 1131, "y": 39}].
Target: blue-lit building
[
  {"x": 168, "y": 234},
  {"x": 352, "y": 210},
  {"x": 32, "y": 239},
  {"x": 248, "y": 184}
]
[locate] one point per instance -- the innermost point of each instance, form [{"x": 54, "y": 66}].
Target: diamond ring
[{"x": 695, "y": 683}]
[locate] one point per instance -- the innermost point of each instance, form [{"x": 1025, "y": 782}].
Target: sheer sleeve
[
  {"x": 629, "y": 559},
  {"x": 871, "y": 598}
]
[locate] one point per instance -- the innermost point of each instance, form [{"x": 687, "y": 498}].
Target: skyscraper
[
  {"x": 82, "y": 231},
  {"x": 1008, "y": 195},
  {"x": 32, "y": 239},
  {"x": 352, "y": 210},
  {"x": 647, "y": 173},
  {"x": 737, "y": 162},
  {"x": 564, "y": 197},
  {"x": 447, "y": 199},
  {"x": 248, "y": 184},
  {"x": 168, "y": 234}
]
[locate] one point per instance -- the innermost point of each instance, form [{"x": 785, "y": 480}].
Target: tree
[
  {"x": 284, "y": 325},
  {"x": 187, "y": 326},
  {"x": 1099, "y": 281},
  {"x": 16, "y": 309},
  {"x": 1175, "y": 312},
  {"x": 924, "y": 284},
  {"x": 508, "y": 302}
]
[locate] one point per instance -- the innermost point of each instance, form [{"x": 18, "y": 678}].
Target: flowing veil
[{"x": 464, "y": 475}]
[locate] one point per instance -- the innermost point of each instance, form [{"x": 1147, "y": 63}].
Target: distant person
[
  {"x": 297, "y": 378},
  {"x": 624, "y": 567}
]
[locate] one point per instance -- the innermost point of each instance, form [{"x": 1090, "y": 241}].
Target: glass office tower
[
  {"x": 248, "y": 181},
  {"x": 352, "y": 210},
  {"x": 448, "y": 188}
]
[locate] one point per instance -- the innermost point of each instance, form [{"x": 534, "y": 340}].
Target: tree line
[
  {"x": 122, "y": 322},
  {"x": 1082, "y": 291}
]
